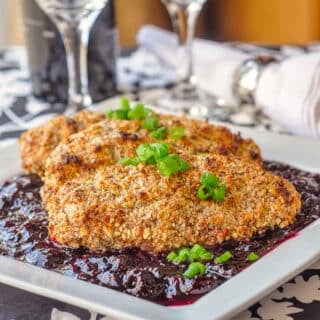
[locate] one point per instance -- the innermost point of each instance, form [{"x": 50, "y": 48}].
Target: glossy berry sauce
[{"x": 23, "y": 236}]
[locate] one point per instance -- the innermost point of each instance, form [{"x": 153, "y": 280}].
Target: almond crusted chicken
[
  {"x": 37, "y": 143},
  {"x": 200, "y": 137},
  {"x": 96, "y": 202}
]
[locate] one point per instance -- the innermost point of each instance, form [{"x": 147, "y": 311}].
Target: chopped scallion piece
[
  {"x": 206, "y": 255},
  {"x": 196, "y": 251},
  {"x": 171, "y": 164},
  {"x": 204, "y": 192},
  {"x": 209, "y": 179},
  {"x": 118, "y": 114},
  {"x": 252, "y": 256},
  {"x": 195, "y": 268},
  {"x": 183, "y": 255},
  {"x": 171, "y": 256},
  {"x": 150, "y": 124},
  {"x": 226, "y": 256},
  {"x": 124, "y": 104},
  {"x": 159, "y": 134},
  {"x": 184, "y": 165},
  {"x": 130, "y": 161},
  {"x": 145, "y": 153},
  {"x": 176, "y": 133},
  {"x": 138, "y": 112},
  {"x": 210, "y": 187},
  {"x": 219, "y": 193},
  {"x": 160, "y": 150}
]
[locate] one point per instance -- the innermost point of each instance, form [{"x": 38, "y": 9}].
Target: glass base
[{"x": 196, "y": 103}]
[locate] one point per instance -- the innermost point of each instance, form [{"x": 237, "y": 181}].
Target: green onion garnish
[
  {"x": 138, "y": 112},
  {"x": 176, "y": 133},
  {"x": 206, "y": 256},
  {"x": 198, "y": 252},
  {"x": 145, "y": 153},
  {"x": 159, "y": 134},
  {"x": 252, "y": 256},
  {"x": 160, "y": 150},
  {"x": 209, "y": 179},
  {"x": 171, "y": 256},
  {"x": 118, "y": 114},
  {"x": 219, "y": 193},
  {"x": 150, "y": 124},
  {"x": 226, "y": 256},
  {"x": 195, "y": 268},
  {"x": 130, "y": 161},
  {"x": 183, "y": 255},
  {"x": 124, "y": 104},
  {"x": 204, "y": 192},
  {"x": 210, "y": 187},
  {"x": 171, "y": 164},
  {"x": 158, "y": 153}
]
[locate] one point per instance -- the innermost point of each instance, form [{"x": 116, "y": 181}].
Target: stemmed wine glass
[
  {"x": 185, "y": 94},
  {"x": 74, "y": 20}
]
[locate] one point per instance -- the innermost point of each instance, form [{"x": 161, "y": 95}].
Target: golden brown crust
[
  {"x": 201, "y": 137},
  {"x": 37, "y": 143},
  {"x": 95, "y": 202}
]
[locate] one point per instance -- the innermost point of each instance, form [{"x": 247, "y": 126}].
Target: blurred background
[{"x": 259, "y": 21}]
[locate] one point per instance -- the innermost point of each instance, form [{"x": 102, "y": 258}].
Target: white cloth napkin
[{"x": 288, "y": 91}]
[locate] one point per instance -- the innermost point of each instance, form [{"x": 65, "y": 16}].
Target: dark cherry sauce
[{"x": 23, "y": 236}]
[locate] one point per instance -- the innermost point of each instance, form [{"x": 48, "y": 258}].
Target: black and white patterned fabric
[{"x": 299, "y": 299}]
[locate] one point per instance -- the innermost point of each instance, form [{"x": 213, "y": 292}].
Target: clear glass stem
[
  {"x": 75, "y": 37},
  {"x": 184, "y": 18}
]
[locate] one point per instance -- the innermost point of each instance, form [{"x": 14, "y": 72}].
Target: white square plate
[{"x": 258, "y": 280}]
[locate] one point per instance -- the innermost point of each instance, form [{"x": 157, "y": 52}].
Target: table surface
[{"x": 299, "y": 299}]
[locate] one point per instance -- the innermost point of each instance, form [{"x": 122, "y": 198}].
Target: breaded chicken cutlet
[
  {"x": 200, "y": 137},
  {"x": 37, "y": 143},
  {"x": 96, "y": 202}
]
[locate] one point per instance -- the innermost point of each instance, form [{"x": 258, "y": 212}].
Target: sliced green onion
[
  {"x": 160, "y": 150},
  {"x": 109, "y": 114},
  {"x": 184, "y": 165},
  {"x": 118, "y": 114},
  {"x": 195, "y": 268},
  {"x": 183, "y": 255},
  {"x": 138, "y": 112},
  {"x": 171, "y": 164},
  {"x": 145, "y": 153},
  {"x": 226, "y": 256},
  {"x": 150, "y": 124},
  {"x": 130, "y": 161},
  {"x": 204, "y": 192},
  {"x": 196, "y": 251},
  {"x": 206, "y": 256},
  {"x": 209, "y": 179},
  {"x": 252, "y": 256},
  {"x": 171, "y": 256},
  {"x": 176, "y": 133},
  {"x": 219, "y": 193},
  {"x": 159, "y": 134},
  {"x": 124, "y": 104}
]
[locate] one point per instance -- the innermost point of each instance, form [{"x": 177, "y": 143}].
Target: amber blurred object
[
  {"x": 268, "y": 21},
  {"x": 261, "y": 21}
]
